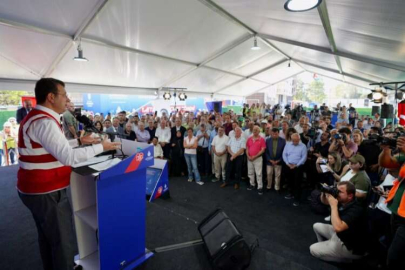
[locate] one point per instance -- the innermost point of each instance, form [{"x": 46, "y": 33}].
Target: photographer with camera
[
  {"x": 396, "y": 203},
  {"x": 343, "y": 144},
  {"x": 344, "y": 240},
  {"x": 370, "y": 150}
]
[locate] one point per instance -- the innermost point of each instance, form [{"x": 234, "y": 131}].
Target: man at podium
[{"x": 44, "y": 174}]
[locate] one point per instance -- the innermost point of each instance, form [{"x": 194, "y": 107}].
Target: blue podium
[{"x": 109, "y": 212}]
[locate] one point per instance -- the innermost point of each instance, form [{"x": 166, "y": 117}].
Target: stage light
[
  {"x": 167, "y": 96},
  {"x": 182, "y": 96},
  {"x": 301, "y": 5},
  {"x": 255, "y": 46},
  {"x": 80, "y": 53}
]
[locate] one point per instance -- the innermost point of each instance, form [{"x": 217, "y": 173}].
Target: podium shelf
[
  {"x": 91, "y": 262},
  {"x": 89, "y": 216}
]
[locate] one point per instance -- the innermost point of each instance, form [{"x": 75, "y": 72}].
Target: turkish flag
[{"x": 401, "y": 113}]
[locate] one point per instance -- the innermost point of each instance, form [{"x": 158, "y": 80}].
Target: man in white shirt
[
  {"x": 44, "y": 173},
  {"x": 164, "y": 135},
  {"x": 219, "y": 149}
]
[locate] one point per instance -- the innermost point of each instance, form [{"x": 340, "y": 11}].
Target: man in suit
[
  {"x": 274, "y": 156},
  {"x": 177, "y": 127},
  {"x": 24, "y": 110}
]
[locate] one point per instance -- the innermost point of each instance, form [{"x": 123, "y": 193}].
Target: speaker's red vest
[{"x": 39, "y": 172}]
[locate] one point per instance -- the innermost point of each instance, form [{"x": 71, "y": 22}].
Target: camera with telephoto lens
[
  {"x": 332, "y": 190},
  {"x": 375, "y": 139}
]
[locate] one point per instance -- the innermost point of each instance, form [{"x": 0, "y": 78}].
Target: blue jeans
[{"x": 191, "y": 161}]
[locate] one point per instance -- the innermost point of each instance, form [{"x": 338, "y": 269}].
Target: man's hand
[
  {"x": 374, "y": 168},
  {"x": 88, "y": 139},
  {"x": 107, "y": 145},
  {"x": 401, "y": 144},
  {"x": 340, "y": 142},
  {"x": 332, "y": 200},
  {"x": 173, "y": 144}
]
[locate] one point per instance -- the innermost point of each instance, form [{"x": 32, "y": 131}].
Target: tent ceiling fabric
[
  {"x": 181, "y": 29},
  {"x": 116, "y": 67},
  {"x": 56, "y": 15},
  {"x": 202, "y": 45}
]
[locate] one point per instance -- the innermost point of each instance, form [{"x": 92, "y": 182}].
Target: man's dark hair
[
  {"x": 345, "y": 130},
  {"x": 45, "y": 86},
  {"x": 376, "y": 129},
  {"x": 107, "y": 120},
  {"x": 275, "y": 130},
  {"x": 350, "y": 188}
]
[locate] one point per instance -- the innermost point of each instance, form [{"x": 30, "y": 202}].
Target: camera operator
[
  {"x": 343, "y": 144},
  {"x": 370, "y": 150},
  {"x": 396, "y": 203},
  {"x": 352, "y": 115},
  {"x": 345, "y": 239},
  {"x": 326, "y": 112},
  {"x": 315, "y": 114}
]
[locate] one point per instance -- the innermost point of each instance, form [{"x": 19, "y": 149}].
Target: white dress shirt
[
  {"x": 47, "y": 133},
  {"x": 164, "y": 135}
]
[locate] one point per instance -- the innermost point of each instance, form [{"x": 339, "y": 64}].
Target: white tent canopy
[{"x": 140, "y": 46}]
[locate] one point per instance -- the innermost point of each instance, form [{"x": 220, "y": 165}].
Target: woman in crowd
[
  {"x": 290, "y": 131},
  {"x": 334, "y": 166},
  {"x": 8, "y": 143},
  {"x": 190, "y": 154},
  {"x": 357, "y": 137},
  {"x": 98, "y": 125}
]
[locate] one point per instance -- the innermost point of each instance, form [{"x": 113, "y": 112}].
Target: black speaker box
[
  {"x": 387, "y": 111},
  {"x": 225, "y": 246},
  {"x": 375, "y": 109}
]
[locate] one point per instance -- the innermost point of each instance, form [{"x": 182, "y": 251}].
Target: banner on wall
[{"x": 104, "y": 103}]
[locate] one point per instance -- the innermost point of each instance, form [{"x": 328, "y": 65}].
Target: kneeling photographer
[
  {"x": 345, "y": 239},
  {"x": 396, "y": 203}
]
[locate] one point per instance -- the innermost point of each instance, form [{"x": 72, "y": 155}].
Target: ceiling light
[
  {"x": 182, "y": 96},
  {"x": 301, "y": 5},
  {"x": 255, "y": 46},
  {"x": 80, "y": 54},
  {"x": 167, "y": 96}
]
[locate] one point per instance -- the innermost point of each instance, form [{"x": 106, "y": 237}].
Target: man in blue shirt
[
  {"x": 203, "y": 156},
  {"x": 294, "y": 156}
]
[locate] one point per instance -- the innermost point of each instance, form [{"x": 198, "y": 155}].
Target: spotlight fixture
[
  {"x": 301, "y": 5},
  {"x": 80, "y": 53},
  {"x": 255, "y": 46},
  {"x": 167, "y": 96},
  {"x": 182, "y": 96},
  {"x": 378, "y": 94}
]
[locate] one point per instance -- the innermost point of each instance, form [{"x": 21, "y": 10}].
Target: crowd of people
[
  {"x": 270, "y": 148},
  {"x": 344, "y": 169}
]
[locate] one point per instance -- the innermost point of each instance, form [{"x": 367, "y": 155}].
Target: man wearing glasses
[{"x": 46, "y": 157}]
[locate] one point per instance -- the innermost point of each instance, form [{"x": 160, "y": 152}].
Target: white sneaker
[
  {"x": 190, "y": 180},
  {"x": 200, "y": 183},
  {"x": 327, "y": 218}
]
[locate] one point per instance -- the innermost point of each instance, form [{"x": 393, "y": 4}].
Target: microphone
[{"x": 87, "y": 123}]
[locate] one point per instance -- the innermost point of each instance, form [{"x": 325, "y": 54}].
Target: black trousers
[
  {"x": 397, "y": 248},
  {"x": 166, "y": 150},
  {"x": 53, "y": 217},
  {"x": 234, "y": 165},
  {"x": 204, "y": 161},
  {"x": 294, "y": 179}
]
